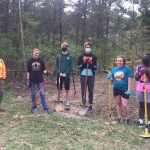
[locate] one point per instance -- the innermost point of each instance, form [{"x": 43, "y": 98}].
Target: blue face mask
[{"x": 87, "y": 50}]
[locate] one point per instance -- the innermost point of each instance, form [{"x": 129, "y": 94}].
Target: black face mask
[{"x": 64, "y": 49}]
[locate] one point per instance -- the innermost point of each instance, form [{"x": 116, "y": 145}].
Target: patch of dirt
[{"x": 101, "y": 98}]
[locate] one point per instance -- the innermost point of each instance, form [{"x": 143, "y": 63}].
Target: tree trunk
[
  {"x": 84, "y": 21},
  {"x": 21, "y": 36}
]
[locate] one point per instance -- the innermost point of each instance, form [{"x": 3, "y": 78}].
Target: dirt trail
[{"x": 100, "y": 95}]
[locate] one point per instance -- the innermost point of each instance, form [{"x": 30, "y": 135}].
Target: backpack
[{"x": 2, "y": 70}]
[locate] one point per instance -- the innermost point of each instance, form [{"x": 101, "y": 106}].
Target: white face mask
[{"x": 87, "y": 50}]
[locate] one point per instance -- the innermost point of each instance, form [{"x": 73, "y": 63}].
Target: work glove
[
  {"x": 62, "y": 75},
  {"x": 109, "y": 76},
  {"x": 87, "y": 59},
  {"x": 128, "y": 92},
  {"x": 28, "y": 83}
]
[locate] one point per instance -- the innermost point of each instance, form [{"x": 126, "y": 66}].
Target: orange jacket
[{"x": 2, "y": 70}]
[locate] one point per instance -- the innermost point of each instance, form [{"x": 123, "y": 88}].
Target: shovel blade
[
  {"x": 83, "y": 111},
  {"x": 59, "y": 106}
]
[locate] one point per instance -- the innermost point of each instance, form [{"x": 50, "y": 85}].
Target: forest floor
[{"x": 20, "y": 129}]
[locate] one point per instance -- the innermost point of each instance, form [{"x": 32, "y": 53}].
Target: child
[
  {"x": 2, "y": 78},
  {"x": 63, "y": 70},
  {"x": 87, "y": 63},
  {"x": 121, "y": 75},
  {"x": 140, "y": 71}
]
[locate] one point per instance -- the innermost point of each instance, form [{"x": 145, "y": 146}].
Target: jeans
[{"x": 41, "y": 93}]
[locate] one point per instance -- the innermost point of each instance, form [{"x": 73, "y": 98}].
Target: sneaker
[
  {"x": 49, "y": 111},
  {"x": 140, "y": 125},
  {"x": 67, "y": 105},
  {"x": 90, "y": 109},
  {"x": 33, "y": 110}
]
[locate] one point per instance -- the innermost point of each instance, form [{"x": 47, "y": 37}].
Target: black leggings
[{"x": 141, "y": 110}]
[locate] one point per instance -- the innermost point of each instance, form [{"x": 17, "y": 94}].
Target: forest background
[{"x": 113, "y": 26}]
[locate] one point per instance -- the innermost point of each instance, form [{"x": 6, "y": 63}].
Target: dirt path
[{"x": 100, "y": 96}]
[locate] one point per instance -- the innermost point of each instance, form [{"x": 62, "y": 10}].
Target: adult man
[
  {"x": 2, "y": 78},
  {"x": 63, "y": 70},
  {"x": 35, "y": 70},
  {"x": 87, "y": 63}
]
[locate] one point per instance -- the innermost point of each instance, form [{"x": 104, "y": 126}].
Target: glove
[
  {"x": 28, "y": 83},
  {"x": 87, "y": 59},
  {"x": 90, "y": 60},
  {"x": 143, "y": 70},
  {"x": 62, "y": 75},
  {"x": 129, "y": 92},
  {"x": 109, "y": 76}
]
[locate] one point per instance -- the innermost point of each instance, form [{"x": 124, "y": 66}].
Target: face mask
[
  {"x": 87, "y": 50},
  {"x": 64, "y": 49}
]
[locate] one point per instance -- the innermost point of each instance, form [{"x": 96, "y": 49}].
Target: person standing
[
  {"x": 87, "y": 63},
  {"x": 35, "y": 70},
  {"x": 142, "y": 69},
  {"x": 2, "y": 78},
  {"x": 63, "y": 70},
  {"x": 122, "y": 78}
]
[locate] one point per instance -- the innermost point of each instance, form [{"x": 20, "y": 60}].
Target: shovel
[
  {"x": 146, "y": 135},
  {"x": 84, "y": 109},
  {"x": 59, "y": 106}
]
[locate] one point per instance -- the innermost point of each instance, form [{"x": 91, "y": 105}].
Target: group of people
[{"x": 87, "y": 63}]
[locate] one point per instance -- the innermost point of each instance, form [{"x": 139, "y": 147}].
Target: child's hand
[
  {"x": 109, "y": 76},
  {"x": 128, "y": 92}
]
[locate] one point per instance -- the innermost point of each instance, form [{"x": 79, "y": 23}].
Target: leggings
[{"x": 142, "y": 112}]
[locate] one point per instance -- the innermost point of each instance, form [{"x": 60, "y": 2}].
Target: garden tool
[
  {"x": 59, "y": 106},
  {"x": 84, "y": 109},
  {"x": 74, "y": 86},
  {"x": 146, "y": 135}
]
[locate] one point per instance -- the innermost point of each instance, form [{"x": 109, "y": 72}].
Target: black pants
[
  {"x": 90, "y": 85},
  {"x": 141, "y": 110}
]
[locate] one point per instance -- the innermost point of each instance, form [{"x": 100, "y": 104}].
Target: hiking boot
[
  {"x": 34, "y": 110},
  {"x": 49, "y": 111},
  {"x": 90, "y": 109}
]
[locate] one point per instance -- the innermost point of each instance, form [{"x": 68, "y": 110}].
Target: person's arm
[
  {"x": 28, "y": 70},
  {"x": 129, "y": 83},
  {"x": 57, "y": 65},
  {"x": 69, "y": 69},
  {"x": 4, "y": 71},
  {"x": 80, "y": 62}
]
